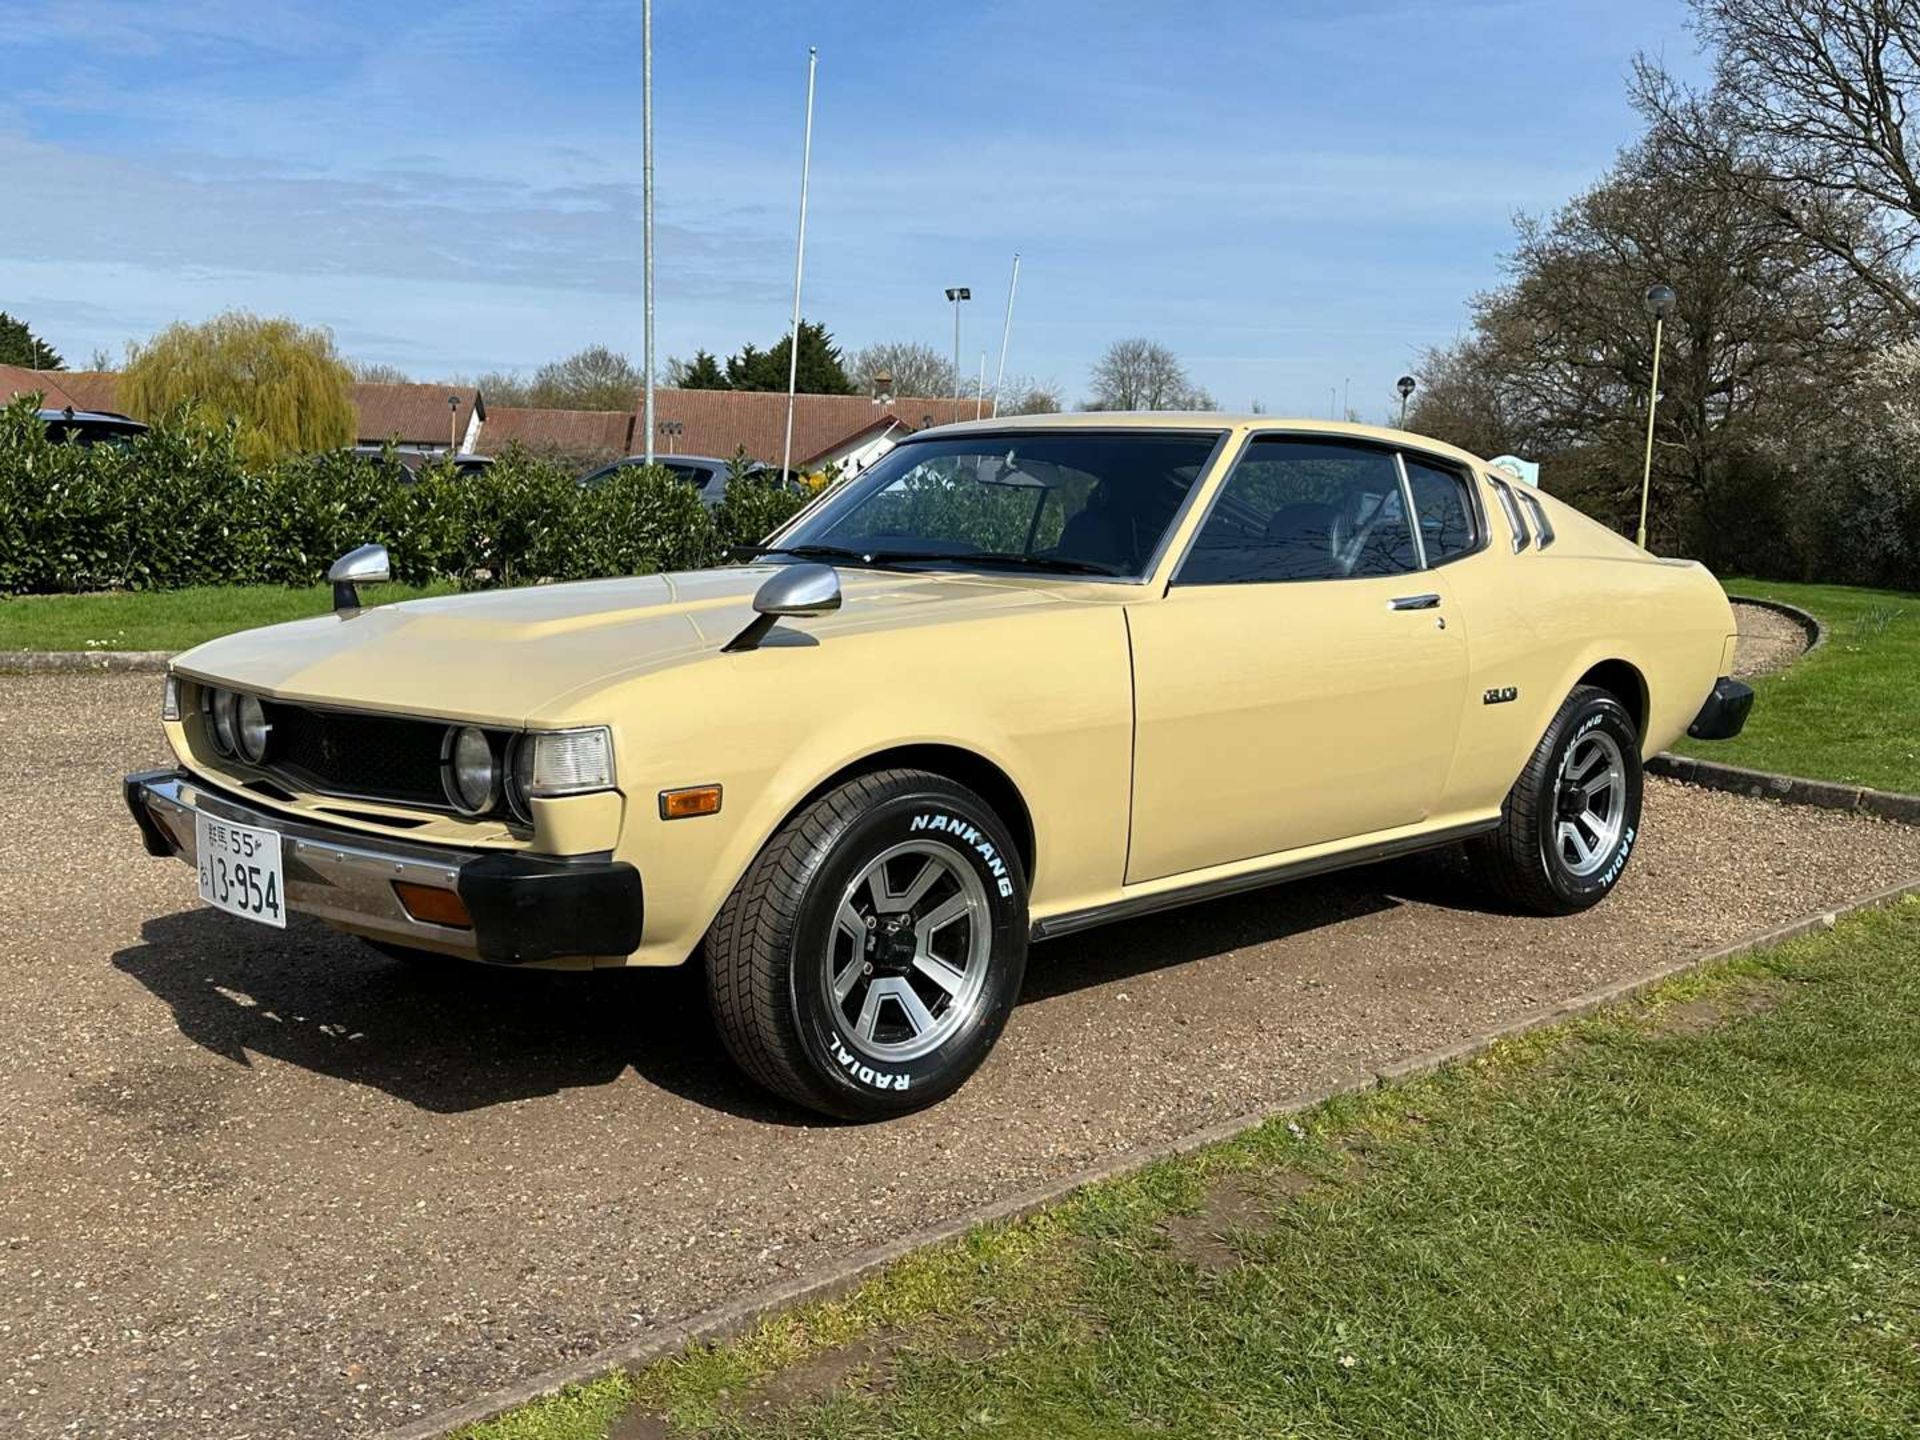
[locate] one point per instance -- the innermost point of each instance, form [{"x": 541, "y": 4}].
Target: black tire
[
  {"x": 1524, "y": 862},
  {"x": 776, "y": 946}
]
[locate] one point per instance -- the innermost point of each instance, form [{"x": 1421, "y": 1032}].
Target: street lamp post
[
  {"x": 646, "y": 210},
  {"x": 453, "y": 425},
  {"x": 957, "y": 293},
  {"x": 1405, "y": 385},
  {"x": 1659, "y": 302}
]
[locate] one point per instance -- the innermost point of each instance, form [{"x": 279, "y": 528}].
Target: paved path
[{"x": 254, "y": 1185}]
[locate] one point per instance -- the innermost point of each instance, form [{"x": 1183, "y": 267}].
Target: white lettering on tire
[
  {"x": 971, "y": 837},
  {"x": 859, "y": 1070}
]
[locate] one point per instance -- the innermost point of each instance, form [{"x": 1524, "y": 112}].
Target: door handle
[{"x": 1414, "y": 602}]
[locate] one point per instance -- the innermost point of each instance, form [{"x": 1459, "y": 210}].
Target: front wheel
[
  {"x": 869, "y": 958},
  {"x": 1572, "y": 819}
]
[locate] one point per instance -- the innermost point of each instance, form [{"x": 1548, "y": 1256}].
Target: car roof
[
  {"x": 659, "y": 459},
  {"x": 1195, "y": 420},
  {"x": 104, "y": 417}
]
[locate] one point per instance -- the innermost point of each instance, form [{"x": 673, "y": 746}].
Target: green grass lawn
[
  {"x": 168, "y": 619},
  {"x": 1847, "y": 712},
  {"x": 1698, "y": 1218}
]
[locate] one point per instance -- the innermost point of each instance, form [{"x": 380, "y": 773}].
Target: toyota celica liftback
[{"x": 1017, "y": 679}]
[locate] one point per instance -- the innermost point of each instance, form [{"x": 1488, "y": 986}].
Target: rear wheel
[
  {"x": 1571, "y": 820},
  {"x": 869, "y": 958}
]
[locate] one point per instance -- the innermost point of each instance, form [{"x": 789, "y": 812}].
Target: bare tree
[
  {"x": 1024, "y": 395},
  {"x": 595, "y": 378},
  {"x": 378, "y": 372},
  {"x": 1760, "y": 352},
  {"x": 1141, "y": 374},
  {"x": 911, "y": 367},
  {"x": 1819, "y": 95}
]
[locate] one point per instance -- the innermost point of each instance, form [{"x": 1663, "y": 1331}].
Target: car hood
[{"x": 507, "y": 655}]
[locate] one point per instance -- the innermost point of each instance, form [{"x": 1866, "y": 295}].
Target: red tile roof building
[{"x": 827, "y": 429}]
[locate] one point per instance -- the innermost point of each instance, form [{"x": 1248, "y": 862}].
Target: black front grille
[{"x": 373, "y": 757}]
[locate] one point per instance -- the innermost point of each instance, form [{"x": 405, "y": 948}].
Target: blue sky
[{"x": 1293, "y": 194}]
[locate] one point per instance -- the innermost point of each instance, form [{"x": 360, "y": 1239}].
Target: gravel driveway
[
  {"x": 1769, "y": 641},
  {"x": 264, "y": 1185}
]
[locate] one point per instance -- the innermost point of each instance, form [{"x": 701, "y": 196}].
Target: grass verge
[
  {"x": 168, "y": 619},
  {"x": 1699, "y": 1217},
  {"x": 1845, "y": 712}
]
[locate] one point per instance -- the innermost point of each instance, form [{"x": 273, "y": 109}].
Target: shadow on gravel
[
  {"x": 445, "y": 1037},
  {"x": 1258, "y": 917},
  {"x": 456, "y": 1036}
]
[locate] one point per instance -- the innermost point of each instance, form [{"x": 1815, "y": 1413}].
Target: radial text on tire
[{"x": 868, "y": 959}]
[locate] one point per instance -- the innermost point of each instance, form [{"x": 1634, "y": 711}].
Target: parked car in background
[
  {"x": 705, "y": 473},
  {"x": 408, "y": 463},
  {"x": 1017, "y": 679},
  {"x": 91, "y": 427}
]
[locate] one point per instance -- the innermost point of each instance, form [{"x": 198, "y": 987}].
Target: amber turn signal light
[
  {"x": 434, "y": 906},
  {"x": 694, "y": 800}
]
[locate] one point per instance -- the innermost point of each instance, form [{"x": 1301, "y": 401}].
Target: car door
[{"x": 1302, "y": 679}]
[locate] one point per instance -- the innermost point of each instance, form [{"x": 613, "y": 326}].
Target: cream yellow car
[{"x": 1017, "y": 679}]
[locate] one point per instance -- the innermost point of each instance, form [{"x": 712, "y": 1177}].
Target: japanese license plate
[{"x": 240, "y": 870}]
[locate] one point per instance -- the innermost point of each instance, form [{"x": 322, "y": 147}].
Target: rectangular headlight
[
  {"x": 170, "y": 698},
  {"x": 570, "y": 762}
]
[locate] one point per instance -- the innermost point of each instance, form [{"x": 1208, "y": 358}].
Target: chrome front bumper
[{"x": 525, "y": 909}]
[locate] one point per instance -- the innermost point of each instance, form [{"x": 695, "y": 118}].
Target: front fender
[{"x": 1047, "y": 700}]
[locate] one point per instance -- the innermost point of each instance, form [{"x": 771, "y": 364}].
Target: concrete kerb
[
  {"x": 80, "y": 662},
  {"x": 739, "y": 1316},
  {"x": 1815, "y": 628},
  {"x": 1789, "y": 789}
]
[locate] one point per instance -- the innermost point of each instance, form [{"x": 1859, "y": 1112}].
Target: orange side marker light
[{"x": 694, "y": 800}]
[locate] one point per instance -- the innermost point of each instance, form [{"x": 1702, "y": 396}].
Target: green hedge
[{"x": 180, "y": 507}]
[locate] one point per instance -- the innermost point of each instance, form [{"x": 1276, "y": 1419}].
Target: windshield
[{"x": 1072, "y": 501}]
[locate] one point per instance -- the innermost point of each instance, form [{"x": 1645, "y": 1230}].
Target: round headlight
[
  {"x": 221, "y": 707},
  {"x": 472, "y": 778},
  {"x": 253, "y": 727}
]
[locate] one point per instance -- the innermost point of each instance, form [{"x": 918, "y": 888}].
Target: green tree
[
  {"x": 820, "y": 371},
  {"x": 703, "y": 372},
  {"x": 283, "y": 384},
  {"x": 20, "y": 346}
]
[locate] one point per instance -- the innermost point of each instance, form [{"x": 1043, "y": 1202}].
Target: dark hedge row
[{"x": 179, "y": 507}]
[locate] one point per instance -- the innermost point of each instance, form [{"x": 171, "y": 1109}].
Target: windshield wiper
[
  {"x": 1056, "y": 564},
  {"x": 842, "y": 553},
  {"x": 1012, "y": 559}
]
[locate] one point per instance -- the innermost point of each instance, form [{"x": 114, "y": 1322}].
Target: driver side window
[{"x": 1304, "y": 509}]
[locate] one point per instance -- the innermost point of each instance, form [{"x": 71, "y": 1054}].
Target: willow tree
[{"x": 284, "y": 384}]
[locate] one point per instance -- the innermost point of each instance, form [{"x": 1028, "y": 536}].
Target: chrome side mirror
[
  {"x": 368, "y": 565},
  {"x": 794, "y": 590}
]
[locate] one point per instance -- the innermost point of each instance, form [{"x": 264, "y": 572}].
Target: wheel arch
[
  {"x": 1624, "y": 681},
  {"x": 956, "y": 763}
]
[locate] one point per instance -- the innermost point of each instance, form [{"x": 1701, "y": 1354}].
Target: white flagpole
[
  {"x": 799, "y": 269},
  {"x": 646, "y": 165},
  {"x": 1006, "y": 329}
]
